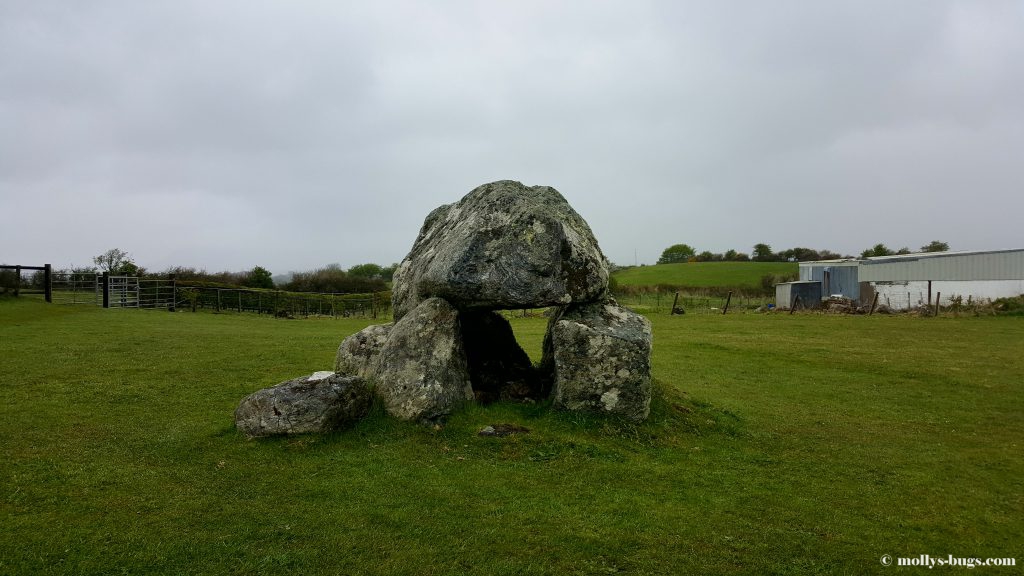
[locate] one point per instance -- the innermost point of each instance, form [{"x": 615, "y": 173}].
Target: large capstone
[
  {"x": 320, "y": 402},
  {"x": 503, "y": 246},
  {"x": 498, "y": 367},
  {"x": 600, "y": 354},
  {"x": 421, "y": 372},
  {"x": 358, "y": 353}
]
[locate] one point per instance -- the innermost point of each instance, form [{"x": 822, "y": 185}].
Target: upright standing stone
[
  {"x": 600, "y": 355},
  {"x": 359, "y": 352},
  {"x": 421, "y": 372}
]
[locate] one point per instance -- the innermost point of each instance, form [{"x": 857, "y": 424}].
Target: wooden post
[
  {"x": 727, "y": 300},
  {"x": 218, "y": 299},
  {"x": 17, "y": 280},
  {"x": 937, "y": 296},
  {"x": 674, "y": 300},
  {"x": 874, "y": 302},
  {"x": 106, "y": 289},
  {"x": 792, "y": 308},
  {"x": 48, "y": 282},
  {"x": 259, "y": 303},
  {"x": 929, "y": 292}
]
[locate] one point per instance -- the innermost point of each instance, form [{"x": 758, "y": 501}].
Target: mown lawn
[
  {"x": 704, "y": 274},
  {"x": 783, "y": 444}
]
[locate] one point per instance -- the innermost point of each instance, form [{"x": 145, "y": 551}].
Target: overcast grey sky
[{"x": 225, "y": 135}]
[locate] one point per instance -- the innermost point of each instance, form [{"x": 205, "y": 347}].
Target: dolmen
[{"x": 504, "y": 246}]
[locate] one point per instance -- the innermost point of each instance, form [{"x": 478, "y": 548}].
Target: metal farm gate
[
  {"x": 122, "y": 292},
  {"x": 77, "y": 288}
]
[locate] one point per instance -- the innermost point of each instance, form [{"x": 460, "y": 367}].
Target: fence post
[
  {"x": 727, "y": 300},
  {"x": 874, "y": 302},
  {"x": 17, "y": 280},
  {"x": 674, "y": 301},
  {"x": 174, "y": 293},
  {"x": 937, "y": 296},
  {"x": 106, "y": 289},
  {"x": 48, "y": 282}
]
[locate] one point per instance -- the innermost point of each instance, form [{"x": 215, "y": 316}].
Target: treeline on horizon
[
  {"x": 332, "y": 278},
  {"x": 678, "y": 253}
]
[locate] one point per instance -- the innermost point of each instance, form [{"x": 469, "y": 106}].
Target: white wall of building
[{"x": 903, "y": 295}]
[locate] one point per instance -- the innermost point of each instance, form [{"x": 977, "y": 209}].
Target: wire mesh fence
[
  {"x": 661, "y": 302},
  {"x": 282, "y": 304}
]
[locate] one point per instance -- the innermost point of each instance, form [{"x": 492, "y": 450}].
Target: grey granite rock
[
  {"x": 421, "y": 372},
  {"x": 600, "y": 356},
  {"x": 316, "y": 403},
  {"x": 503, "y": 246},
  {"x": 358, "y": 353}
]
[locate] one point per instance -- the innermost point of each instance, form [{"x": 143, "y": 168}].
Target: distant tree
[
  {"x": 111, "y": 260},
  {"x": 368, "y": 271},
  {"x": 800, "y": 254},
  {"x": 729, "y": 255},
  {"x": 705, "y": 256},
  {"x": 118, "y": 263},
  {"x": 259, "y": 277},
  {"x": 387, "y": 273},
  {"x": 828, "y": 255},
  {"x": 903, "y": 250},
  {"x": 763, "y": 253},
  {"x": 935, "y": 246},
  {"x": 332, "y": 278},
  {"x": 876, "y": 250},
  {"x": 676, "y": 253},
  {"x": 742, "y": 257}
]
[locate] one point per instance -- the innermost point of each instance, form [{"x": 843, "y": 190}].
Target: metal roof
[{"x": 961, "y": 265}]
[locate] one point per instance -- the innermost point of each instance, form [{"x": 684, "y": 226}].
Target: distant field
[
  {"x": 704, "y": 274},
  {"x": 804, "y": 444}
]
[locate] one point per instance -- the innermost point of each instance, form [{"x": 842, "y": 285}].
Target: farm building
[
  {"x": 909, "y": 280},
  {"x": 809, "y": 293}
]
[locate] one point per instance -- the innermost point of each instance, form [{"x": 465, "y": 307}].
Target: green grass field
[
  {"x": 704, "y": 274},
  {"x": 781, "y": 445}
]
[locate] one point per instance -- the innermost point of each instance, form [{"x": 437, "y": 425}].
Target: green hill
[{"x": 704, "y": 274}]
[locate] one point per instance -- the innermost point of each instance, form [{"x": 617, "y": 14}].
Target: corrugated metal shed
[
  {"x": 835, "y": 276},
  {"x": 989, "y": 265},
  {"x": 787, "y": 292}
]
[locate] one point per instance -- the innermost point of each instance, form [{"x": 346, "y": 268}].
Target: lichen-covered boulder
[
  {"x": 503, "y": 246},
  {"x": 600, "y": 355},
  {"x": 358, "y": 353},
  {"x": 320, "y": 402},
  {"x": 498, "y": 367},
  {"x": 421, "y": 372}
]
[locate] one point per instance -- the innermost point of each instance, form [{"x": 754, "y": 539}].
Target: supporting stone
[
  {"x": 358, "y": 353},
  {"x": 421, "y": 373},
  {"x": 600, "y": 357}
]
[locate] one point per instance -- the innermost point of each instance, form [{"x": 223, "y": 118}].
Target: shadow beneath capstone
[{"x": 499, "y": 369}]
